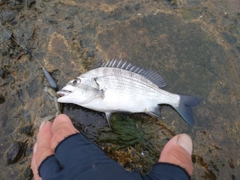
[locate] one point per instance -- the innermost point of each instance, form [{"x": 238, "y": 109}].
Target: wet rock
[
  {"x": 33, "y": 88},
  {"x": 4, "y": 36},
  {"x": 11, "y": 80},
  {"x": 2, "y": 3},
  {"x": 2, "y": 73},
  {"x": 84, "y": 43},
  {"x": 229, "y": 38},
  {"x": 15, "y": 152},
  {"x": 30, "y": 3},
  {"x": 137, "y": 6},
  {"x": 27, "y": 130},
  {"x": 70, "y": 26},
  {"x": 40, "y": 55},
  {"x": 190, "y": 14},
  {"x": 27, "y": 174},
  {"x": 172, "y": 2},
  {"x": 28, "y": 149},
  {"x": 24, "y": 33},
  {"x": 238, "y": 48},
  {"x": 194, "y": 2},
  {"x": 55, "y": 74},
  {"x": 90, "y": 54},
  {"x": 50, "y": 20},
  {"x": 128, "y": 8},
  {"x": 4, "y": 50},
  {"x": 2, "y": 99},
  {"x": 8, "y": 15}
]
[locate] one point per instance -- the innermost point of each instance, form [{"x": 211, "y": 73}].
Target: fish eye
[{"x": 76, "y": 81}]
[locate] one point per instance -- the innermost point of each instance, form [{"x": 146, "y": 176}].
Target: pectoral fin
[
  {"x": 100, "y": 94},
  {"x": 108, "y": 115}
]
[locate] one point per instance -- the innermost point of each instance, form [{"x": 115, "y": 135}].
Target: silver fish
[{"x": 118, "y": 86}]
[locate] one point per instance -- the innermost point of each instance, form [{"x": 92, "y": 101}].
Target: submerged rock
[{"x": 15, "y": 152}]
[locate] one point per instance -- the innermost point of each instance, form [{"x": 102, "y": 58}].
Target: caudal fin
[{"x": 184, "y": 107}]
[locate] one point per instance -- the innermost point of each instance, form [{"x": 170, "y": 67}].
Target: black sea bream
[{"x": 119, "y": 86}]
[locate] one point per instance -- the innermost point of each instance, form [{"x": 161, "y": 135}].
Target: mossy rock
[{"x": 124, "y": 131}]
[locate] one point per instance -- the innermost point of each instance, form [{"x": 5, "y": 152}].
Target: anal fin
[{"x": 154, "y": 112}]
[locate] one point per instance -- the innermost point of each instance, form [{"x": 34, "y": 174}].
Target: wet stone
[
  {"x": 27, "y": 174},
  {"x": 229, "y": 38},
  {"x": 90, "y": 54},
  {"x": 28, "y": 150},
  {"x": 84, "y": 43},
  {"x": 15, "y": 152},
  {"x": 4, "y": 50},
  {"x": 11, "y": 80},
  {"x": 2, "y": 99},
  {"x": 9, "y": 15},
  {"x": 70, "y": 26},
  {"x": 50, "y": 20},
  {"x": 171, "y": 2},
  {"x": 177, "y": 49},
  {"x": 137, "y": 6},
  {"x": 27, "y": 130},
  {"x": 40, "y": 55},
  {"x": 238, "y": 48},
  {"x": 2, "y": 73},
  {"x": 194, "y": 2},
  {"x": 128, "y": 8},
  {"x": 4, "y": 36},
  {"x": 30, "y": 3},
  {"x": 33, "y": 88}
]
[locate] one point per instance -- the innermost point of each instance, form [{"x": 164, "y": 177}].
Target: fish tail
[{"x": 184, "y": 107}]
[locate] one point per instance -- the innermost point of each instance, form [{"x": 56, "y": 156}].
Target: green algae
[{"x": 125, "y": 131}]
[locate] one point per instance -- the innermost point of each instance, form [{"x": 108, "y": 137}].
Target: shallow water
[{"x": 194, "y": 45}]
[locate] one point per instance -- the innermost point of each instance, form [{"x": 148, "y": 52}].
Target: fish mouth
[{"x": 63, "y": 92}]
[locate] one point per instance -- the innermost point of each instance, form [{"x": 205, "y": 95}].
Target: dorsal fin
[{"x": 148, "y": 74}]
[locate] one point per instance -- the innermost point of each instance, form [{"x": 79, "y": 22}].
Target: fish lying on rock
[{"x": 119, "y": 86}]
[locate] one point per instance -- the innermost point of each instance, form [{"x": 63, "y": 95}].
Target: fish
[{"x": 119, "y": 86}]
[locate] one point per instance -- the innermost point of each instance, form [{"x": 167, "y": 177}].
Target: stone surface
[{"x": 194, "y": 45}]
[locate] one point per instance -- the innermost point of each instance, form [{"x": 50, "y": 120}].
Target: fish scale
[
  {"x": 132, "y": 95},
  {"x": 119, "y": 86}
]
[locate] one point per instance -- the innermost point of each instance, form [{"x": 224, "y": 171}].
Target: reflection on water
[{"x": 194, "y": 45}]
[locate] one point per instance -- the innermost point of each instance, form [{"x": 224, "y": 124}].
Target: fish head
[{"x": 76, "y": 92}]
